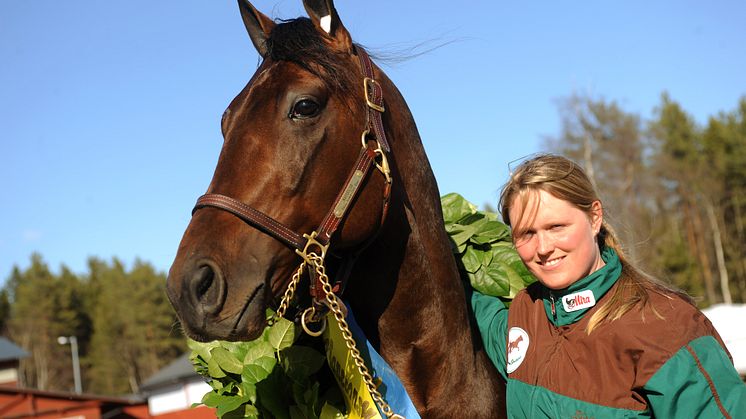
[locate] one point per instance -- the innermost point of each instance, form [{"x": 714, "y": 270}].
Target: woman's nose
[{"x": 545, "y": 244}]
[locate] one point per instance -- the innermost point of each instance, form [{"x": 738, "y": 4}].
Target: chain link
[
  {"x": 288, "y": 296},
  {"x": 332, "y": 301}
]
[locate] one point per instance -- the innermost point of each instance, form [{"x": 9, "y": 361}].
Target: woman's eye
[
  {"x": 523, "y": 235},
  {"x": 304, "y": 108}
]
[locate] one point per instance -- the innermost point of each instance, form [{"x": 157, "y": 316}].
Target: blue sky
[{"x": 109, "y": 111}]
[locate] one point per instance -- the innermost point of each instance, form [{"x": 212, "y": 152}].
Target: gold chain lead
[{"x": 333, "y": 303}]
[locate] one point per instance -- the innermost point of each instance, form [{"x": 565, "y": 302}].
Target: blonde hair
[{"x": 566, "y": 180}]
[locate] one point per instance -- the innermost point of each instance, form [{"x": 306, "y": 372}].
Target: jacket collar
[{"x": 567, "y": 306}]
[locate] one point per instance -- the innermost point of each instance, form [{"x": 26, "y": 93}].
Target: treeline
[
  {"x": 674, "y": 190},
  {"x": 125, "y": 327}
]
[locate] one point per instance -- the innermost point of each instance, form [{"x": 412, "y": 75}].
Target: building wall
[
  {"x": 179, "y": 398},
  {"x": 9, "y": 373},
  {"x": 23, "y": 404}
]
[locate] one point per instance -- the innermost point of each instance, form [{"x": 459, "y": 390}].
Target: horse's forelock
[{"x": 298, "y": 41}]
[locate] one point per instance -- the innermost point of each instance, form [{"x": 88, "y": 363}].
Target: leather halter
[{"x": 339, "y": 209}]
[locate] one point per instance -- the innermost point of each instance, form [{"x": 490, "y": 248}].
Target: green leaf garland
[{"x": 484, "y": 249}]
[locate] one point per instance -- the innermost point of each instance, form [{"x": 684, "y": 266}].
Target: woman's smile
[{"x": 551, "y": 263}]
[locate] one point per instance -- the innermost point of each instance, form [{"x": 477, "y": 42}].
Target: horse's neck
[{"x": 414, "y": 299}]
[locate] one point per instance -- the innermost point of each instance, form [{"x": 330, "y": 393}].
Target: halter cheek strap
[{"x": 369, "y": 157}]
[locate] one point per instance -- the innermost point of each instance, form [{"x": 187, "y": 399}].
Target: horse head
[{"x": 292, "y": 138}]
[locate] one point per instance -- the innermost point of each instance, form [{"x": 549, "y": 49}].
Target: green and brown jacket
[{"x": 637, "y": 366}]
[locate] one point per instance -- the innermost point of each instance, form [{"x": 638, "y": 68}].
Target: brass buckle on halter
[
  {"x": 383, "y": 166},
  {"x": 366, "y": 83},
  {"x": 311, "y": 241}
]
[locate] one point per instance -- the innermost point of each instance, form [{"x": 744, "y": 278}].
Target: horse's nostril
[
  {"x": 207, "y": 288},
  {"x": 203, "y": 280}
]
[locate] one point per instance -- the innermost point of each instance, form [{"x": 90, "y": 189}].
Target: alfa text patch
[{"x": 578, "y": 301}]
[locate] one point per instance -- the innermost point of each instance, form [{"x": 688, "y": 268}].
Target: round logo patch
[{"x": 517, "y": 348}]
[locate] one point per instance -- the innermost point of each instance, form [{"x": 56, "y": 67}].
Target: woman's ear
[{"x": 597, "y": 216}]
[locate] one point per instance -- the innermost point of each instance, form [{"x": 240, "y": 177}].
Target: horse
[{"x": 298, "y": 142}]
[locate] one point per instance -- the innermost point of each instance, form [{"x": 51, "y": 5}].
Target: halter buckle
[
  {"x": 367, "y": 82},
  {"x": 311, "y": 241},
  {"x": 383, "y": 166}
]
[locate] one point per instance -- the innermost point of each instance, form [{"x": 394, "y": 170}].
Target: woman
[{"x": 595, "y": 337}]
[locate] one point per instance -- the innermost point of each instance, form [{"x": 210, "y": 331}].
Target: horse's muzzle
[{"x": 198, "y": 295}]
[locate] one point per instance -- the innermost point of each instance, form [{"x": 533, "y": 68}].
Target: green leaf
[
  {"x": 272, "y": 395},
  {"x": 238, "y": 349},
  {"x": 330, "y": 412},
  {"x": 213, "y": 399},
  {"x": 201, "y": 349},
  {"x": 251, "y": 412},
  {"x": 490, "y": 280},
  {"x": 509, "y": 277},
  {"x": 472, "y": 259},
  {"x": 248, "y": 390},
  {"x": 306, "y": 396},
  {"x": 506, "y": 254},
  {"x": 516, "y": 282},
  {"x": 473, "y": 220},
  {"x": 491, "y": 231},
  {"x": 282, "y": 334},
  {"x": 487, "y": 257},
  {"x": 210, "y": 399},
  {"x": 214, "y": 369},
  {"x": 229, "y": 387},
  {"x": 258, "y": 349},
  {"x": 226, "y": 360},
  {"x": 299, "y": 362},
  {"x": 231, "y": 405},
  {"x": 463, "y": 234},
  {"x": 455, "y": 207},
  {"x": 258, "y": 370}
]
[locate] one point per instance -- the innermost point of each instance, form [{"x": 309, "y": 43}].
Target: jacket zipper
[{"x": 554, "y": 310}]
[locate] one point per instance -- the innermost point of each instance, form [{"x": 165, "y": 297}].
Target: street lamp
[{"x": 73, "y": 341}]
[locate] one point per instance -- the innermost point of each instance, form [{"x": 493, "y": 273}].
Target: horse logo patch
[{"x": 517, "y": 347}]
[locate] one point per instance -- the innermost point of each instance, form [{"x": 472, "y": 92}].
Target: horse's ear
[
  {"x": 325, "y": 17},
  {"x": 257, "y": 24}
]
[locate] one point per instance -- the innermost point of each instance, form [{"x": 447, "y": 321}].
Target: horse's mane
[{"x": 298, "y": 41}]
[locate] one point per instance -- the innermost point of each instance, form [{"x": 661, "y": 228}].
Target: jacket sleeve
[
  {"x": 697, "y": 381},
  {"x": 492, "y": 320}
]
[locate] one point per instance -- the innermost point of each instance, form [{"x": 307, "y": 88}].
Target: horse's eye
[{"x": 304, "y": 108}]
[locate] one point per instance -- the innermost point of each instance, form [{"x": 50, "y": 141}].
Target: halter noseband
[{"x": 365, "y": 162}]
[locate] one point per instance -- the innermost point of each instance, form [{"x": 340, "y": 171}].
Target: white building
[
  {"x": 729, "y": 320},
  {"x": 172, "y": 391}
]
